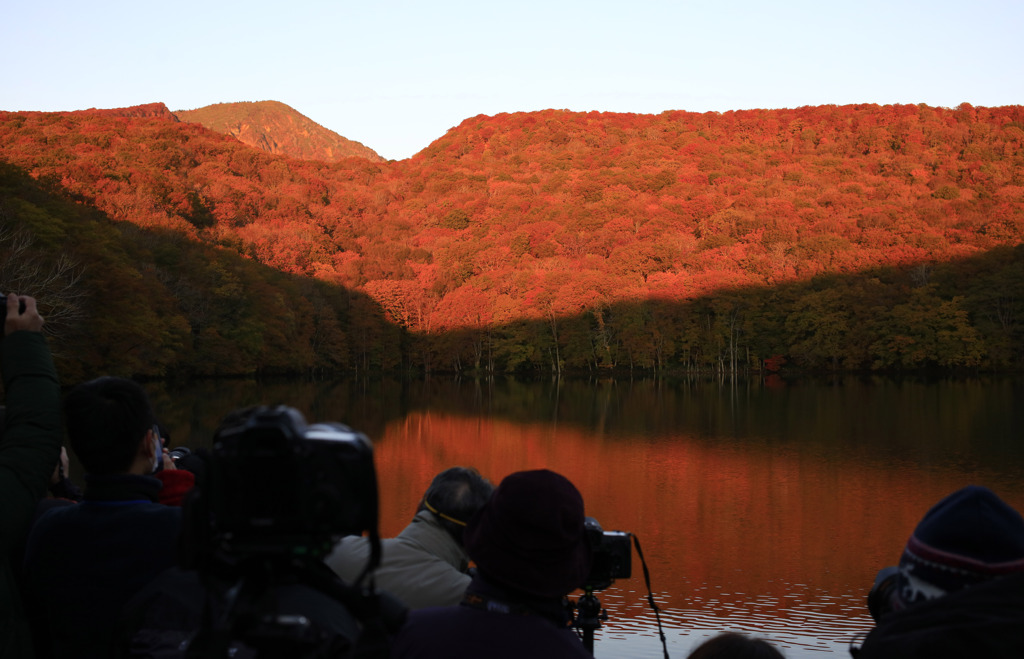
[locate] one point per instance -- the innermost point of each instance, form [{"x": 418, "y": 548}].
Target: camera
[
  {"x": 273, "y": 496},
  {"x": 612, "y": 555},
  {"x": 3, "y": 311},
  {"x": 883, "y": 596},
  {"x": 178, "y": 453},
  {"x": 277, "y": 486}
]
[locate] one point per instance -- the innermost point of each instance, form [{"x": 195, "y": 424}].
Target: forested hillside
[
  {"x": 274, "y": 127},
  {"x": 856, "y": 237},
  {"x": 120, "y": 299}
]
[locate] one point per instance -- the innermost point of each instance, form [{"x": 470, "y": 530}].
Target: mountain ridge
[{"x": 834, "y": 236}]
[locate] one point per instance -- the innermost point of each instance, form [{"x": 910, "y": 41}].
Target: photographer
[
  {"x": 426, "y": 565},
  {"x": 30, "y": 439},
  {"x": 959, "y": 588},
  {"x": 274, "y": 496},
  {"x": 84, "y": 561},
  {"x": 531, "y": 550}
]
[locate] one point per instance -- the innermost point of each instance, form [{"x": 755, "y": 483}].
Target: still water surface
[{"x": 760, "y": 507}]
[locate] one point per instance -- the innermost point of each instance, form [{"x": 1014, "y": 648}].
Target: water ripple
[{"x": 799, "y": 624}]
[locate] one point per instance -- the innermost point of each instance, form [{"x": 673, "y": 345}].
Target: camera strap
[
  {"x": 650, "y": 596},
  {"x": 459, "y": 522}
]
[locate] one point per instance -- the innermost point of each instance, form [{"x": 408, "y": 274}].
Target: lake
[{"x": 761, "y": 506}]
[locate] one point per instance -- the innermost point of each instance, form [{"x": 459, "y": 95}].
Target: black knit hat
[
  {"x": 969, "y": 537},
  {"x": 530, "y": 536}
]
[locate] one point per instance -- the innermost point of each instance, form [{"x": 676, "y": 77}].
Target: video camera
[
  {"x": 612, "y": 555},
  {"x": 276, "y": 485}
]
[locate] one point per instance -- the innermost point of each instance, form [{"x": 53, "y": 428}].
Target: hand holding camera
[{"x": 18, "y": 312}]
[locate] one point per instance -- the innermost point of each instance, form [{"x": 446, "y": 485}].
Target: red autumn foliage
[{"x": 563, "y": 216}]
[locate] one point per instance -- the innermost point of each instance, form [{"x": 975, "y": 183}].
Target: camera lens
[{"x": 178, "y": 453}]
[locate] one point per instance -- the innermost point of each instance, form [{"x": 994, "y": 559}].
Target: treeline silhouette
[{"x": 831, "y": 238}]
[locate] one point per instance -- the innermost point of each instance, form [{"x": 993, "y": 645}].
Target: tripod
[
  {"x": 588, "y": 613},
  {"x": 588, "y": 617}
]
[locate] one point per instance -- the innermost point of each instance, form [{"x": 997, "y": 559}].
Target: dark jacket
[
  {"x": 424, "y": 566},
  {"x": 29, "y": 451},
  {"x": 490, "y": 623},
  {"x": 186, "y": 613},
  {"x": 986, "y": 620},
  {"x": 83, "y": 562}
]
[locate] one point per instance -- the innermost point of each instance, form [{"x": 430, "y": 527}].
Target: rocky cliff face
[{"x": 279, "y": 129}]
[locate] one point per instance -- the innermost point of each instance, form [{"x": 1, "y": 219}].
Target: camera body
[
  {"x": 277, "y": 486},
  {"x": 612, "y": 555},
  {"x": 883, "y": 597},
  {"x": 3, "y": 311}
]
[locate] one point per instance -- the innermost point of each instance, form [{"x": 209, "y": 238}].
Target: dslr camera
[
  {"x": 275, "y": 495},
  {"x": 277, "y": 486},
  {"x": 612, "y": 555},
  {"x": 883, "y": 597},
  {"x": 3, "y": 311}
]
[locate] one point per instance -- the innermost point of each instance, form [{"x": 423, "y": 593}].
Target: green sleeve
[{"x": 30, "y": 446}]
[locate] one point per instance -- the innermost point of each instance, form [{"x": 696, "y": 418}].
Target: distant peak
[{"x": 277, "y": 128}]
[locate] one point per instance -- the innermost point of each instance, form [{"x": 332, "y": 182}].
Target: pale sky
[{"x": 397, "y": 74}]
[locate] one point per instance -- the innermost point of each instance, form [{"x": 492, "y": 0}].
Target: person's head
[
  {"x": 730, "y": 645},
  {"x": 529, "y": 537},
  {"x": 454, "y": 496},
  {"x": 110, "y": 425},
  {"x": 969, "y": 537}
]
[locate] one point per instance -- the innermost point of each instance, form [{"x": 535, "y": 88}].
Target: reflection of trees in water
[
  {"x": 765, "y": 499},
  {"x": 941, "y": 424},
  {"x": 869, "y": 418}
]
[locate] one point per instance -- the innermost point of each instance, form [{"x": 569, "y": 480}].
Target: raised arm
[{"x": 30, "y": 445}]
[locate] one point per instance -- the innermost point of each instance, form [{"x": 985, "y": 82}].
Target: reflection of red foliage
[
  {"x": 774, "y": 381},
  {"x": 751, "y": 520}
]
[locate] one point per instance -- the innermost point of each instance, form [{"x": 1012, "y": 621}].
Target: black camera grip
[{"x": 3, "y": 310}]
